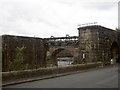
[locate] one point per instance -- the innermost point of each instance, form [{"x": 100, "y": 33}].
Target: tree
[{"x": 117, "y": 29}]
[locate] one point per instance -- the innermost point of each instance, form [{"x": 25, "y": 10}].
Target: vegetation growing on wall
[
  {"x": 17, "y": 63},
  {"x": 117, "y": 29}
]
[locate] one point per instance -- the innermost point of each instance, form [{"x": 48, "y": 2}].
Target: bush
[{"x": 18, "y": 62}]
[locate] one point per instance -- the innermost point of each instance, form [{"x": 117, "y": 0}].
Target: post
[{"x": 83, "y": 57}]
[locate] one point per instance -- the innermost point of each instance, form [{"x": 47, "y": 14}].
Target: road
[{"x": 100, "y": 78}]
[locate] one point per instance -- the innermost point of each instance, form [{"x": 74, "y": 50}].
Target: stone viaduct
[
  {"x": 58, "y": 44},
  {"x": 94, "y": 43}
]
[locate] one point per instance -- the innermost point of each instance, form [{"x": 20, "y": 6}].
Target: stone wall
[
  {"x": 34, "y": 53},
  {"x": 106, "y": 39},
  {"x": 96, "y": 42},
  {"x": 53, "y": 71}
]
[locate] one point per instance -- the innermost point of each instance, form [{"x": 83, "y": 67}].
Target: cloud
[
  {"x": 101, "y": 5},
  {"x": 44, "y": 18}
]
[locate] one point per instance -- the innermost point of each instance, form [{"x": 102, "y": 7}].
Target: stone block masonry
[
  {"x": 94, "y": 43},
  {"x": 25, "y": 74},
  {"x": 98, "y": 44},
  {"x": 30, "y": 50}
]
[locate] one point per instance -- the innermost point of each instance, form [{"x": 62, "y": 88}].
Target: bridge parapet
[{"x": 62, "y": 41}]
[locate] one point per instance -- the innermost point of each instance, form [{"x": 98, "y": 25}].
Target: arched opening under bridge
[
  {"x": 62, "y": 57},
  {"x": 115, "y": 52}
]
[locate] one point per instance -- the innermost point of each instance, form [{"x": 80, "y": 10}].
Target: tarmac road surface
[{"x": 101, "y": 78}]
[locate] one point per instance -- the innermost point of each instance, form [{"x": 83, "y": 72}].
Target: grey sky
[{"x": 44, "y": 18}]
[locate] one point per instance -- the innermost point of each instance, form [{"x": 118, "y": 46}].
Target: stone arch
[
  {"x": 54, "y": 53},
  {"x": 115, "y": 51}
]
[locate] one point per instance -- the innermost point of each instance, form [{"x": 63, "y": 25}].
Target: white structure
[
  {"x": 111, "y": 61},
  {"x": 83, "y": 56}
]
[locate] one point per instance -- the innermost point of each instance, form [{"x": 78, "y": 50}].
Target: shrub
[{"x": 18, "y": 62}]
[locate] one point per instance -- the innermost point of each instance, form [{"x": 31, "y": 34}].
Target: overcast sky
[{"x": 43, "y": 18}]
